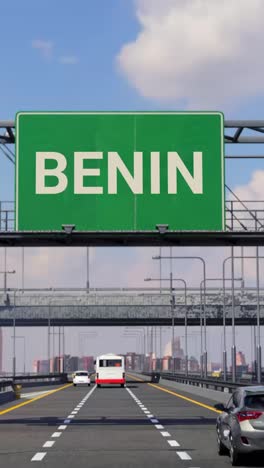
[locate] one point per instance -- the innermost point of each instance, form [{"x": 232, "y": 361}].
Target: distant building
[
  {"x": 56, "y": 364},
  {"x": 43, "y": 367},
  {"x": 35, "y": 366},
  {"x": 130, "y": 359},
  {"x": 240, "y": 359},
  {"x": 87, "y": 363},
  {"x": 178, "y": 351},
  {"x": 166, "y": 363},
  {"x": 72, "y": 364},
  {"x": 214, "y": 366},
  {"x": 194, "y": 364}
]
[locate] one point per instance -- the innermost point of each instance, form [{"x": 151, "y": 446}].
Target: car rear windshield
[
  {"x": 255, "y": 402},
  {"x": 81, "y": 374},
  {"x": 110, "y": 363}
]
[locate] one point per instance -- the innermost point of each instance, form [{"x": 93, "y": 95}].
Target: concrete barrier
[
  {"x": 214, "y": 395},
  {"x": 7, "y": 395}
]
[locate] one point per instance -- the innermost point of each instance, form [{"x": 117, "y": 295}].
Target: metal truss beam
[
  {"x": 132, "y": 239},
  {"x": 123, "y": 322},
  {"x": 236, "y": 131}
]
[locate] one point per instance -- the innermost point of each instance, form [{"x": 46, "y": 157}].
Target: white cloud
[
  {"x": 68, "y": 60},
  {"x": 254, "y": 189},
  {"x": 45, "y": 47},
  {"x": 203, "y": 53}
]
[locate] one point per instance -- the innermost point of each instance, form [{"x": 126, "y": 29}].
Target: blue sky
[
  {"x": 40, "y": 36},
  {"x": 58, "y": 55}
]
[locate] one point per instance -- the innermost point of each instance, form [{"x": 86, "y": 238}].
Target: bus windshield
[{"x": 110, "y": 363}]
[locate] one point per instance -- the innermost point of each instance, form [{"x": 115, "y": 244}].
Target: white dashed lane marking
[
  {"x": 184, "y": 456},
  {"x": 56, "y": 434},
  {"x": 38, "y": 456},
  {"x": 173, "y": 443},
  {"x": 49, "y": 443}
]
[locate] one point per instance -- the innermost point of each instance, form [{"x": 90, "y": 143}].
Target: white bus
[{"x": 110, "y": 369}]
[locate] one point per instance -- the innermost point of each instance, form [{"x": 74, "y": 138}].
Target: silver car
[{"x": 240, "y": 426}]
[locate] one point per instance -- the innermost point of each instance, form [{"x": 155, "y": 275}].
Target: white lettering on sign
[
  {"x": 116, "y": 165},
  {"x": 42, "y": 172},
  {"x": 80, "y": 172},
  {"x": 155, "y": 172},
  {"x": 176, "y": 164}
]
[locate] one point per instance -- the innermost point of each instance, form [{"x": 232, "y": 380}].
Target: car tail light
[{"x": 247, "y": 415}]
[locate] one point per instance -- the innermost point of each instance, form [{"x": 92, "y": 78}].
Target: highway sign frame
[{"x": 135, "y": 228}]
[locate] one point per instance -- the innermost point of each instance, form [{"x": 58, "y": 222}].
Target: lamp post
[
  {"x": 139, "y": 330},
  {"x": 87, "y": 269},
  {"x": 5, "y": 273},
  {"x": 134, "y": 334},
  {"x": 232, "y": 257},
  {"x": 203, "y": 354},
  {"x": 217, "y": 279},
  {"x": 24, "y": 350},
  {"x": 14, "y": 334},
  {"x": 171, "y": 279}
]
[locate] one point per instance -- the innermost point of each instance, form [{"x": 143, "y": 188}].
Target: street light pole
[
  {"x": 233, "y": 355},
  {"x": 172, "y": 323},
  {"x": 232, "y": 257},
  {"x": 14, "y": 335},
  {"x": 87, "y": 269},
  {"x": 172, "y": 301},
  {"x": 24, "y": 350},
  {"x": 258, "y": 320},
  {"x": 203, "y": 355}
]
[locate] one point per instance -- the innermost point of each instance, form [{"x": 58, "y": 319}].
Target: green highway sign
[{"x": 112, "y": 171}]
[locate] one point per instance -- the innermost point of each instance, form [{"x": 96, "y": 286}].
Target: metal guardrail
[
  {"x": 4, "y": 384},
  {"x": 34, "y": 379},
  {"x": 214, "y": 383}
]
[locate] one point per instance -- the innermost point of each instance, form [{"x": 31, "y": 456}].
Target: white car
[{"x": 81, "y": 377}]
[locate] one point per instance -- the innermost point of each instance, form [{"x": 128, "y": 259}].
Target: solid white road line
[
  {"x": 49, "y": 443},
  {"x": 165, "y": 434},
  {"x": 56, "y": 434},
  {"x": 173, "y": 443},
  {"x": 184, "y": 456},
  {"x": 38, "y": 456}
]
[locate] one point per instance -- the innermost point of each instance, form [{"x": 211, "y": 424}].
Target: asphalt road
[{"x": 110, "y": 427}]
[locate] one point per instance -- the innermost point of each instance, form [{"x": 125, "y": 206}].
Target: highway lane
[{"x": 111, "y": 427}]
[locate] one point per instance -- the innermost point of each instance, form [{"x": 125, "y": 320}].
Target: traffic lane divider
[
  {"x": 190, "y": 400},
  {"x": 178, "y": 395},
  {"x": 12, "y": 408}
]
